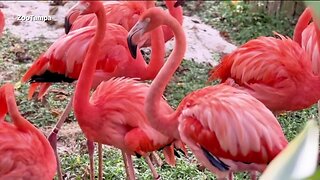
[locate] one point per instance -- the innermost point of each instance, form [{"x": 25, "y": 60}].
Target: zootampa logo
[{"x": 33, "y": 18}]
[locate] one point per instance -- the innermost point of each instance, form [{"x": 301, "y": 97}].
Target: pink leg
[
  {"x": 90, "y": 145},
  {"x": 319, "y": 111},
  {"x": 155, "y": 159},
  {"x": 100, "y": 161},
  {"x": 253, "y": 175},
  {"x": 152, "y": 168},
  {"x": 231, "y": 176},
  {"x": 52, "y": 138},
  {"x": 128, "y": 164}
]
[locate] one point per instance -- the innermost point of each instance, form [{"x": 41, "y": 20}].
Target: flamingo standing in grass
[
  {"x": 25, "y": 151},
  {"x": 226, "y": 128},
  {"x": 126, "y": 14},
  {"x": 64, "y": 59},
  {"x": 114, "y": 114}
]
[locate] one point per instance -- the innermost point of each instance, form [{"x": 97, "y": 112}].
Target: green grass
[
  {"x": 238, "y": 22},
  {"x": 189, "y": 77}
]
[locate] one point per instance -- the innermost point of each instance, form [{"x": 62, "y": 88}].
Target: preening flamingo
[
  {"x": 226, "y": 128},
  {"x": 114, "y": 114},
  {"x": 2, "y": 22},
  {"x": 25, "y": 151},
  {"x": 64, "y": 59},
  {"x": 277, "y": 72},
  {"x": 305, "y": 34},
  {"x": 126, "y": 14}
]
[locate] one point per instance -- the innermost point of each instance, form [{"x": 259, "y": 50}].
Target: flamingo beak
[
  {"x": 136, "y": 37},
  {"x": 72, "y": 15}
]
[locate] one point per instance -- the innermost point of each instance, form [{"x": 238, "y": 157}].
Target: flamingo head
[
  {"x": 149, "y": 20},
  {"x": 81, "y": 8}
]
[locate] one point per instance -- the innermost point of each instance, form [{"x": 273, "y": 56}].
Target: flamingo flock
[{"x": 229, "y": 127}]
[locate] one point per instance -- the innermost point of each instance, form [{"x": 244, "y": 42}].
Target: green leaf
[
  {"x": 316, "y": 176},
  {"x": 299, "y": 159}
]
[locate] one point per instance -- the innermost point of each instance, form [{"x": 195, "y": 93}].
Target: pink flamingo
[
  {"x": 114, "y": 114},
  {"x": 226, "y": 128},
  {"x": 2, "y": 22},
  {"x": 25, "y": 151},
  {"x": 64, "y": 59},
  {"x": 124, "y": 13},
  {"x": 305, "y": 34},
  {"x": 278, "y": 72}
]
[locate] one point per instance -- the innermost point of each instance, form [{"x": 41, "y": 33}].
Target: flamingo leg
[
  {"x": 231, "y": 176},
  {"x": 253, "y": 175},
  {"x": 152, "y": 168},
  {"x": 90, "y": 145},
  {"x": 128, "y": 164},
  {"x": 100, "y": 161},
  {"x": 156, "y": 159},
  {"x": 52, "y": 138},
  {"x": 318, "y": 111}
]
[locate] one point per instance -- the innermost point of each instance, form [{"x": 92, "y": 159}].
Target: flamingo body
[
  {"x": 275, "y": 71},
  {"x": 25, "y": 152},
  {"x": 229, "y": 130},
  {"x": 126, "y": 14},
  {"x": 117, "y": 117},
  {"x": 63, "y": 60}
]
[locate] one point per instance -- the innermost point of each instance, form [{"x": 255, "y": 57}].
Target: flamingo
[
  {"x": 64, "y": 59},
  {"x": 305, "y": 34},
  {"x": 2, "y": 22},
  {"x": 124, "y": 13},
  {"x": 226, "y": 128},
  {"x": 114, "y": 114},
  {"x": 25, "y": 151},
  {"x": 278, "y": 72}
]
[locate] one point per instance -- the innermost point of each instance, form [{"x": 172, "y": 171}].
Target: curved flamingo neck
[
  {"x": 83, "y": 87},
  {"x": 2, "y": 22},
  {"x": 302, "y": 24},
  {"x": 166, "y": 123},
  {"x": 157, "y": 53},
  {"x": 176, "y": 12}
]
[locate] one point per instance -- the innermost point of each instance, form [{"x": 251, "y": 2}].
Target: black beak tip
[
  {"x": 132, "y": 47},
  {"x": 67, "y": 25}
]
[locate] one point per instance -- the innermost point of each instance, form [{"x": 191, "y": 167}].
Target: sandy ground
[{"x": 203, "y": 41}]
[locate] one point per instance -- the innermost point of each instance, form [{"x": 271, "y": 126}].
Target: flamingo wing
[
  {"x": 269, "y": 69},
  {"x": 309, "y": 43},
  {"x": 62, "y": 62},
  {"x": 222, "y": 122}
]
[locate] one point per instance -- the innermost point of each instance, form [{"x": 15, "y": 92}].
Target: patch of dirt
[
  {"x": 69, "y": 137},
  {"x": 30, "y": 30},
  {"x": 203, "y": 40}
]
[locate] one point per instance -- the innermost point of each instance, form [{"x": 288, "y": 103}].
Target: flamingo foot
[
  {"x": 100, "y": 155},
  {"x": 155, "y": 174},
  {"x": 90, "y": 145}
]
